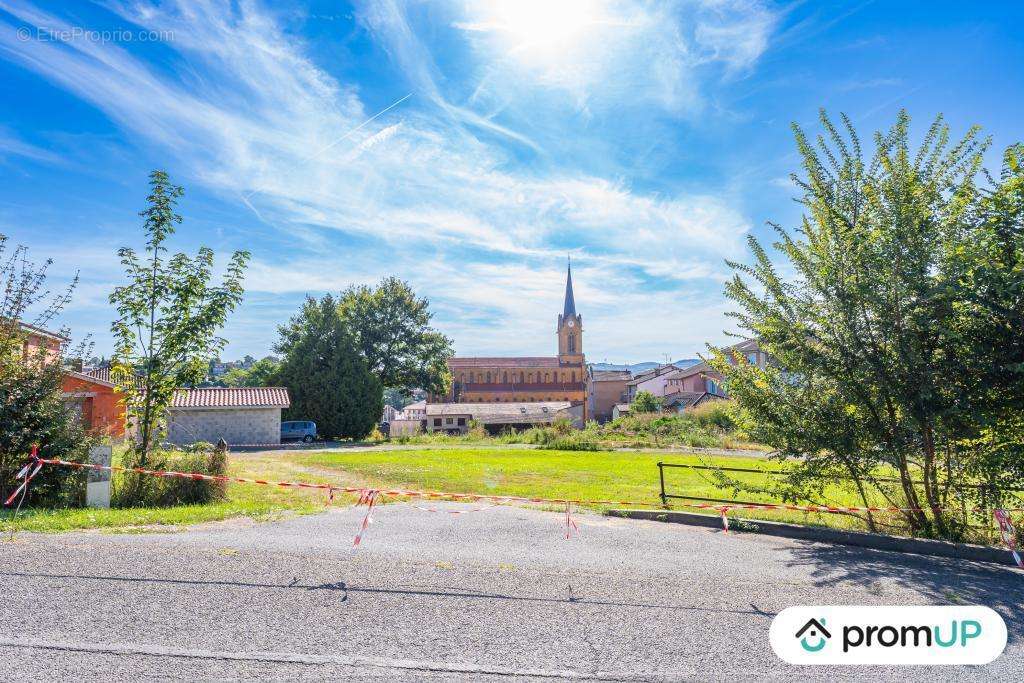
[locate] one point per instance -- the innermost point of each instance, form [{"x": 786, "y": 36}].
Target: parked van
[{"x": 298, "y": 429}]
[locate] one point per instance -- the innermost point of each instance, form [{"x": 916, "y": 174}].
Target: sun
[{"x": 538, "y": 28}]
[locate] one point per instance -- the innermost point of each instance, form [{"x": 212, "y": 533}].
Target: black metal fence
[{"x": 779, "y": 473}]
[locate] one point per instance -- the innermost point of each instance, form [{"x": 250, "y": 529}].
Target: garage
[{"x": 239, "y": 415}]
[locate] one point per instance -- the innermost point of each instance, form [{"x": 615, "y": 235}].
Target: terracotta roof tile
[{"x": 232, "y": 397}]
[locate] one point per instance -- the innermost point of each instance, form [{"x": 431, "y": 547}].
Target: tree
[
  {"x": 646, "y": 402},
  {"x": 392, "y": 330},
  {"x": 259, "y": 374},
  {"x": 905, "y": 300},
  {"x": 33, "y": 411},
  {"x": 169, "y": 314},
  {"x": 327, "y": 378}
]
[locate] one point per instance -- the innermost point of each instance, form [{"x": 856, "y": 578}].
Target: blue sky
[{"x": 466, "y": 147}]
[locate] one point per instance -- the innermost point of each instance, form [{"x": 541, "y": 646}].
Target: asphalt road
[{"x": 493, "y": 595}]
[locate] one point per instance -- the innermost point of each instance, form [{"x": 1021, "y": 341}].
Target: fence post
[
  {"x": 661, "y": 476},
  {"x": 97, "y": 488}
]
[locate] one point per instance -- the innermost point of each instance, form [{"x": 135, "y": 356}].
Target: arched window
[
  {"x": 505, "y": 378},
  {"x": 572, "y": 376},
  {"x": 488, "y": 377},
  {"x": 572, "y": 343},
  {"x": 462, "y": 378},
  {"x": 547, "y": 377},
  {"x": 529, "y": 378},
  {"x": 521, "y": 380}
]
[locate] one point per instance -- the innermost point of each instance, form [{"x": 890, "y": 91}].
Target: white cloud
[
  {"x": 436, "y": 203},
  {"x": 611, "y": 53}
]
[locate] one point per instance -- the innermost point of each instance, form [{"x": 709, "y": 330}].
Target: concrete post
[{"x": 97, "y": 490}]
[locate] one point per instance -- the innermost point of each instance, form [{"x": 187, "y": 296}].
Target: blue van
[{"x": 298, "y": 429}]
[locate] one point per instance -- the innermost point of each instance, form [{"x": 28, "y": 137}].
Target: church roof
[
  {"x": 570, "y": 301},
  {"x": 510, "y": 362}
]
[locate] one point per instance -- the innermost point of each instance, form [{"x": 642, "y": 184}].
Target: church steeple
[
  {"x": 570, "y": 302},
  {"x": 570, "y": 326}
]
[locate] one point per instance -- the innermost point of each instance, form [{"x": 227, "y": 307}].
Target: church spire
[{"x": 570, "y": 302}]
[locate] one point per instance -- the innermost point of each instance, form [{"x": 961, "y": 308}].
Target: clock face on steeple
[{"x": 572, "y": 323}]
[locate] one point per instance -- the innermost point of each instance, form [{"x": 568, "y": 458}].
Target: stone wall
[{"x": 234, "y": 425}]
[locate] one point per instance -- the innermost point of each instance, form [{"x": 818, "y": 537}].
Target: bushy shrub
[
  {"x": 718, "y": 414},
  {"x": 130, "y": 489},
  {"x": 33, "y": 411},
  {"x": 574, "y": 442}
]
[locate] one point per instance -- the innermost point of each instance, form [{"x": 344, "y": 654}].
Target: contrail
[
  {"x": 361, "y": 125},
  {"x": 345, "y": 136}
]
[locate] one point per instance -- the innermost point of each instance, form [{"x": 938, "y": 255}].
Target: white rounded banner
[{"x": 859, "y": 635}]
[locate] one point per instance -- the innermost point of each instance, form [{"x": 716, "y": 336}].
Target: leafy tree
[
  {"x": 327, "y": 378},
  {"x": 397, "y": 399},
  {"x": 897, "y": 341},
  {"x": 33, "y": 410},
  {"x": 392, "y": 330},
  {"x": 169, "y": 314},
  {"x": 258, "y": 375},
  {"x": 646, "y": 402}
]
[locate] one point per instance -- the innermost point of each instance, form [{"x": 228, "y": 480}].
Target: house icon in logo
[{"x": 814, "y": 629}]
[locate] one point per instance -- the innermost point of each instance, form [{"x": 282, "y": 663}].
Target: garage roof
[{"x": 232, "y": 397}]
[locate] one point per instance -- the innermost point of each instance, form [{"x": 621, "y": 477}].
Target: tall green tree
[
  {"x": 169, "y": 313},
  {"x": 896, "y": 330},
  {"x": 327, "y": 378},
  {"x": 392, "y": 328}
]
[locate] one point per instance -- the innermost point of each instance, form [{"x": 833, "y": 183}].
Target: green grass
[
  {"x": 243, "y": 500},
  {"x": 581, "y": 475},
  {"x": 540, "y": 473},
  {"x": 51, "y": 521}
]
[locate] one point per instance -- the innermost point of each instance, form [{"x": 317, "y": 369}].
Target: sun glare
[{"x": 533, "y": 27}]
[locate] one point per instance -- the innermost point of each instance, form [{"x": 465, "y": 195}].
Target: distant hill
[{"x": 637, "y": 368}]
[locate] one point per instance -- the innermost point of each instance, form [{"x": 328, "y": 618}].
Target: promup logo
[
  {"x": 888, "y": 635},
  {"x": 815, "y": 630}
]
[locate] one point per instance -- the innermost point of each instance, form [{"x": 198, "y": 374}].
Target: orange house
[
  {"x": 101, "y": 405},
  {"x": 40, "y": 344}
]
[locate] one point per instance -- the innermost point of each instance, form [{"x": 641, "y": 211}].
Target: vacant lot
[{"x": 601, "y": 475}]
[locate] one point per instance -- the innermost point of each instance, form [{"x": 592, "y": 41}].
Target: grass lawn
[
  {"x": 243, "y": 500},
  {"x": 602, "y": 475}
]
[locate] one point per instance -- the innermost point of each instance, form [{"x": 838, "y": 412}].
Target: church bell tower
[{"x": 570, "y": 327}]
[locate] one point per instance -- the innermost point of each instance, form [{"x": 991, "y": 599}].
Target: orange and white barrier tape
[
  {"x": 1008, "y": 533},
  {"x": 370, "y": 496},
  {"x": 26, "y": 474}
]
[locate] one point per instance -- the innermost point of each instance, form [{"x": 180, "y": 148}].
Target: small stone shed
[{"x": 239, "y": 415}]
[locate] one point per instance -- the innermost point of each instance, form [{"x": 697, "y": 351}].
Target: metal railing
[{"x": 778, "y": 473}]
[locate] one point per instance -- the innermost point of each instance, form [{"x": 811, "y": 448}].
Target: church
[{"x": 527, "y": 379}]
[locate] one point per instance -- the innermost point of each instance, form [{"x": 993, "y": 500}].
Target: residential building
[
  {"x": 239, "y": 415},
  {"x": 97, "y": 400},
  {"x": 703, "y": 379},
  {"x": 606, "y": 389},
  {"x": 653, "y": 381},
  {"x": 414, "y": 411},
  {"x": 456, "y": 418},
  {"x": 41, "y": 344},
  {"x": 526, "y": 379}
]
